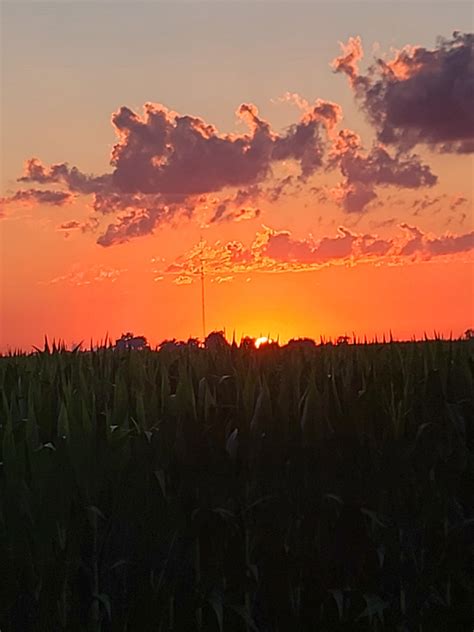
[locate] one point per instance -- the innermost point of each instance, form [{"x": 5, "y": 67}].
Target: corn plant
[{"x": 235, "y": 489}]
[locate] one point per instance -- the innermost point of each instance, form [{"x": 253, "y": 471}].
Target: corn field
[{"x": 234, "y": 489}]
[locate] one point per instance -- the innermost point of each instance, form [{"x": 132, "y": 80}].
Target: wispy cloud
[
  {"x": 78, "y": 276},
  {"x": 87, "y": 226},
  {"x": 30, "y": 197}
]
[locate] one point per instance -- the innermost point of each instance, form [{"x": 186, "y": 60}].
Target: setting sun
[{"x": 262, "y": 340}]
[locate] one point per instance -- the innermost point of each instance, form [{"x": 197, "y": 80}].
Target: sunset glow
[{"x": 273, "y": 178}]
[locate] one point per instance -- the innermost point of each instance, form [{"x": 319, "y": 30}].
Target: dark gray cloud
[
  {"x": 163, "y": 152},
  {"x": 36, "y": 196},
  {"x": 75, "y": 180},
  {"x": 87, "y": 226},
  {"x": 419, "y": 243},
  {"x": 450, "y": 245},
  {"x": 164, "y": 163},
  {"x": 364, "y": 171},
  {"x": 134, "y": 224},
  {"x": 421, "y": 96}
]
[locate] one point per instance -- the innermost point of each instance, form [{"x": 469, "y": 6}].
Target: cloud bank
[
  {"x": 166, "y": 166},
  {"x": 279, "y": 251}
]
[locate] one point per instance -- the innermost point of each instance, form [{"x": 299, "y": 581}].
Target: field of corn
[{"x": 233, "y": 489}]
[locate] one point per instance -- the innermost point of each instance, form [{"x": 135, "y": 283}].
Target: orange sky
[{"x": 322, "y": 212}]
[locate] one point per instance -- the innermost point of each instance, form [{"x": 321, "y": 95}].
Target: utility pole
[{"x": 203, "y": 305}]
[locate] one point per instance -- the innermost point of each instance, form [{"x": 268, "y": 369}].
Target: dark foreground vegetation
[{"x": 233, "y": 489}]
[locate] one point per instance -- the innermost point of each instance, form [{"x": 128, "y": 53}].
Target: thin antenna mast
[{"x": 203, "y": 304}]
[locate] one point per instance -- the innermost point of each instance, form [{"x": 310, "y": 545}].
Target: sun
[{"x": 263, "y": 340}]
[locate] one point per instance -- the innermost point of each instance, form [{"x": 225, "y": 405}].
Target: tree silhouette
[
  {"x": 130, "y": 341},
  {"x": 216, "y": 341}
]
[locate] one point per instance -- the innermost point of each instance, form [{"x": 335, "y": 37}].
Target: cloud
[
  {"x": 183, "y": 279},
  {"x": 73, "y": 225},
  {"x": 420, "y": 96},
  {"x": 165, "y": 163},
  {"x": 245, "y": 214},
  {"x": 293, "y": 98},
  {"x": 282, "y": 247},
  {"x": 421, "y": 204},
  {"x": 36, "y": 196},
  {"x": 364, "y": 171},
  {"x": 75, "y": 180},
  {"x": 457, "y": 201},
  {"x": 180, "y": 155},
  {"x": 278, "y": 251},
  {"x": 348, "y": 62},
  {"x": 114, "y": 203},
  {"x": 223, "y": 279},
  {"x": 165, "y": 166},
  {"x": 427, "y": 247},
  {"x": 134, "y": 224},
  {"x": 383, "y": 223},
  {"x": 87, "y": 276},
  {"x": 354, "y": 196},
  {"x": 136, "y": 214},
  {"x": 233, "y": 207},
  {"x": 166, "y": 153},
  {"x": 303, "y": 141},
  {"x": 450, "y": 244},
  {"x": 284, "y": 187}
]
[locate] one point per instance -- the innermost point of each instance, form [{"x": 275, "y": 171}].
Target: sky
[{"x": 313, "y": 159}]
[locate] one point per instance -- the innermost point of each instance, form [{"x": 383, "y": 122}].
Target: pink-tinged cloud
[
  {"x": 294, "y": 98},
  {"x": 364, "y": 171},
  {"x": 281, "y": 247},
  {"x": 36, "y": 196},
  {"x": 348, "y": 61},
  {"x": 164, "y": 163},
  {"x": 87, "y": 276},
  {"x": 166, "y": 153},
  {"x": 279, "y": 251},
  {"x": 421, "y": 96}
]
